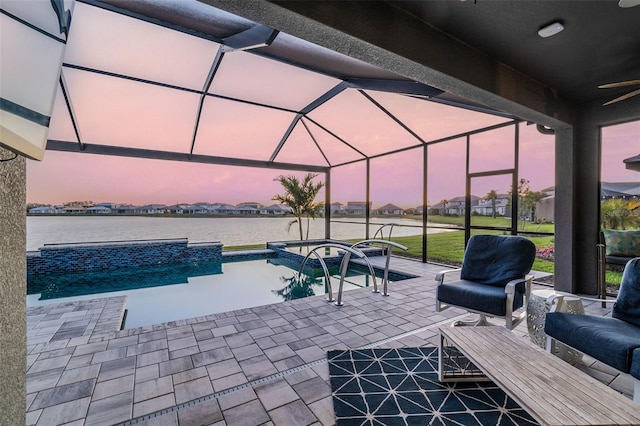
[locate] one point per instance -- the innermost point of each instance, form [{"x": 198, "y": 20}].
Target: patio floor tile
[
  {"x": 153, "y": 388},
  {"x": 275, "y": 393},
  {"x": 248, "y": 414},
  {"x": 263, "y": 365},
  {"x": 206, "y": 413},
  {"x": 110, "y": 410},
  {"x": 112, "y": 387},
  {"x": 293, "y": 413},
  {"x": 193, "y": 389}
]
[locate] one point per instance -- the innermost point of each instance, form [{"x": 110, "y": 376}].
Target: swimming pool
[{"x": 163, "y": 293}]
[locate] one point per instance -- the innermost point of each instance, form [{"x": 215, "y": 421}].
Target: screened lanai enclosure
[{"x": 186, "y": 82}]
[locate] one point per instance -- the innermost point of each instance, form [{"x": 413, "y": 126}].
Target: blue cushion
[
  {"x": 627, "y": 306},
  {"x": 479, "y": 297},
  {"x": 497, "y": 259},
  {"x": 606, "y": 339}
]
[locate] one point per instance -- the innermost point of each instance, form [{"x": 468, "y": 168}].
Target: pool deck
[{"x": 264, "y": 365}]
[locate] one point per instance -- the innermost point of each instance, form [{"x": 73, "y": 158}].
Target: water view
[{"x": 230, "y": 231}]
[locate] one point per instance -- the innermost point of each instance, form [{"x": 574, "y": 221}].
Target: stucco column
[
  {"x": 577, "y": 207},
  {"x": 13, "y": 284}
]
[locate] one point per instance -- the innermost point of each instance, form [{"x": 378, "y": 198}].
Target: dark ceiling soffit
[
  {"x": 391, "y": 116},
  {"x": 205, "y": 88},
  {"x": 72, "y": 115},
  {"x": 57, "y": 145},
  {"x": 395, "y": 86},
  {"x": 470, "y": 107},
  {"x": 632, "y": 163},
  {"x": 259, "y": 36},
  {"x": 338, "y": 88},
  {"x": 145, "y": 18}
]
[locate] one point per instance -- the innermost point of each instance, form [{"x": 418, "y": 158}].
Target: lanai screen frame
[{"x": 248, "y": 40}]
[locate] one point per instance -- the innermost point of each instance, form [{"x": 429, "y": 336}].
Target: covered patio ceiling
[{"x": 186, "y": 81}]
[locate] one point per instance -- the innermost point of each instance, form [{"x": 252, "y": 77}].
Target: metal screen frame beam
[
  {"x": 65, "y": 146},
  {"x": 334, "y": 91}
]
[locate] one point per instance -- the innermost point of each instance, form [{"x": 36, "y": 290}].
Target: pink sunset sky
[
  {"x": 119, "y": 112},
  {"x": 63, "y": 177}
]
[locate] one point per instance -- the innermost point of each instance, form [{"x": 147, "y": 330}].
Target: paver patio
[{"x": 262, "y": 365}]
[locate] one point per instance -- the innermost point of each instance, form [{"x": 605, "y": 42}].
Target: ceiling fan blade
[
  {"x": 623, "y": 97},
  {"x": 619, "y": 84}
]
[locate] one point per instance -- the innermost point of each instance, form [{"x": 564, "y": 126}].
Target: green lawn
[{"x": 448, "y": 247}]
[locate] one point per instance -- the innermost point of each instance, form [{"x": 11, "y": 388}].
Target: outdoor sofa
[{"x": 614, "y": 340}]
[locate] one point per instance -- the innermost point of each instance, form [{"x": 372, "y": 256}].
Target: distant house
[
  {"x": 485, "y": 206},
  {"x": 74, "y": 208},
  {"x": 176, "y": 209},
  {"x": 98, "y": 209},
  {"x": 151, "y": 209},
  {"x": 199, "y": 208},
  {"x": 544, "y": 208},
  {"x": 417, "y": 210},
  {"x": 224, "y": 209},
  {"x": 390, "y": 209},
  {"x": 251, "y": 204},
  {"x": 108, "y": 205},
  {"x": 453, "y": 207},
  {"x": 246, "y": 210},
  {"x": 619, "y": 190},
  {"x": 42, "y": 210},
  {"x": 336, "y": 207},
  {"x": 357, "y": 207},
  {"x": 126, "y": 209},
  {"x": 277, "y": 210}
]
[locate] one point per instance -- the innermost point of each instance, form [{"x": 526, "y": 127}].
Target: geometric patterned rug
[{"x": 400, "y": 387}]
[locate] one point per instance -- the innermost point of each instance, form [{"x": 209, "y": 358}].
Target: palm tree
[
  {"x": 619, "y": 214},
  {"x": 444, "y": 206},
  {"x": 493, "y": 196},
  {"x": 300, "y": 196}
]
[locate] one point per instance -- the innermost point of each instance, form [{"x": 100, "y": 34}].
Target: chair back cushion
[
  {"x": 627, "y": 306},
  {"x": 497, "y": 259}
]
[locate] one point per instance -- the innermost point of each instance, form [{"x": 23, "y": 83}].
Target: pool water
[{"x": 158, "y": 294}]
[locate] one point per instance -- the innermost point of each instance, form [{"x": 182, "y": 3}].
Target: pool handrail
[
  {"x": 343, "y": 266},
  {"x": 380, "y": 230},
  {"x": 390, "y": 245}
]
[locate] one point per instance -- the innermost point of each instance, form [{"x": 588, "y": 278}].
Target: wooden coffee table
[{"x": 550, "y": 390}]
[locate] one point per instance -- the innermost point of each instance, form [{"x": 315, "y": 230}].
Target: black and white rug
[{"x": 401, "y": 387}]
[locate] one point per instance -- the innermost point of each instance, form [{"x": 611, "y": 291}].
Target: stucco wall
[{"x": 13, "y": 283}]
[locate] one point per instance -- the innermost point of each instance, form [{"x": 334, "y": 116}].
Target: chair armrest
[
  {"x": 555, "y": 302},
  {"x": 510, "y": 288},
  {"x": 594, "y": 299},
  {"x": 440, "y": 275}
]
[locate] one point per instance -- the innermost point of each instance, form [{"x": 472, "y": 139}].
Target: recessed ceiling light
[
  {"x": 551, "y": 29},
  {"x": 628, "y": 3}
]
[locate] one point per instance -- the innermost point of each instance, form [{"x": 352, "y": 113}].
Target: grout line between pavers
[{"x": 271, "y": 377}]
